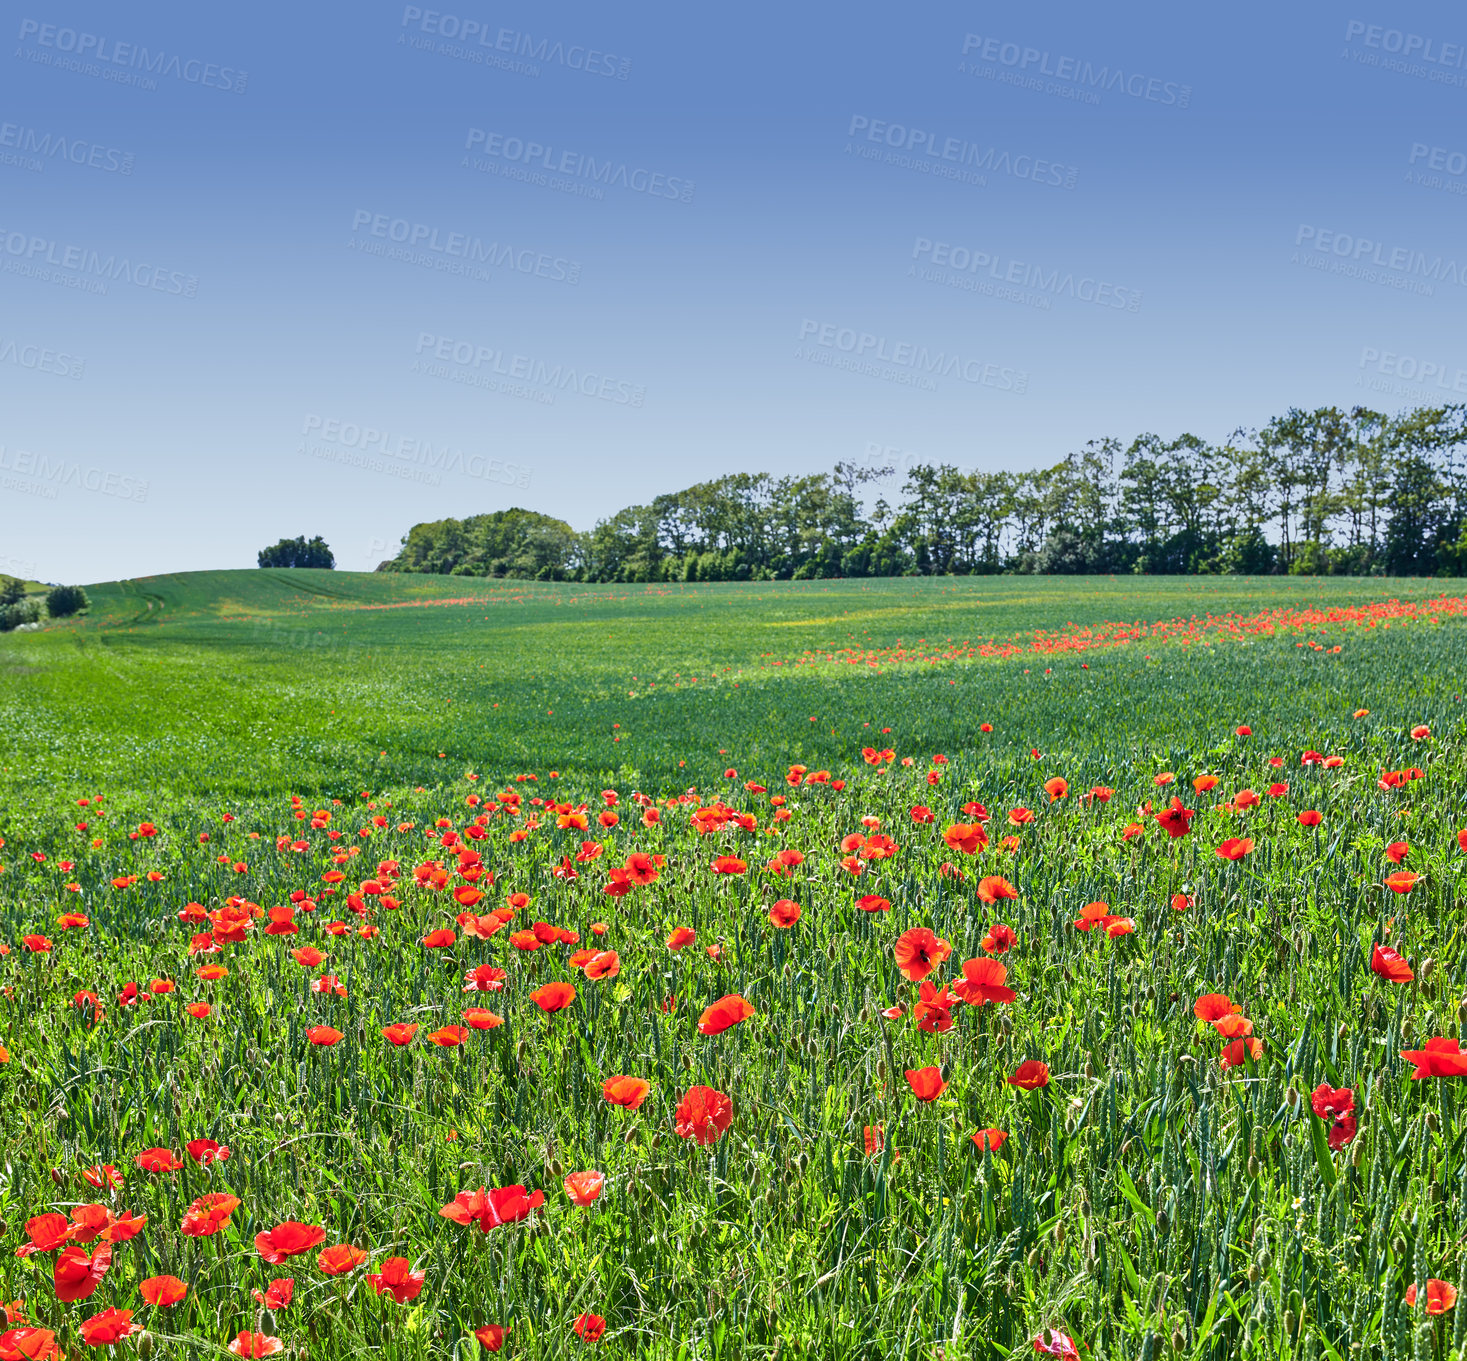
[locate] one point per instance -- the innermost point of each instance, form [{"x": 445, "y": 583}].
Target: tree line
[{"x": 1315, "y": 492}]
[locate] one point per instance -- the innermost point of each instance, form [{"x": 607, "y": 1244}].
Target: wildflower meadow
[{"x": 434, "y": 967}]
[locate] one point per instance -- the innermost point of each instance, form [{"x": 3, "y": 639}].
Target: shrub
[{"x": 62, "y": 601}]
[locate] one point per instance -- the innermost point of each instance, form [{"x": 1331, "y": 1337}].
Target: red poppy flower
[
  {"x": 584, "y": 1188},
  {"x": 76, "y": 1276},
  {"x": 933, "y": 1010},
  {"x": 255, "y": 1345},
  {"x": 323, "y": 1036},
  {"x": 1052, "y": 1342},
  {"x": 703, "y": 1114},
  {"x": 681, "y": 937},
  {"x": 491, "y": 1209},
  {"x": 163, "y": 1292},
  {"x": 1030, "y": 1075},
  {"x": 440, "y": 939},
  {"x": 784, "y": 913},
  {"x": 626, "y": 1091},
  {"x": 491, "y": 1336},
  {"x": 918, "y": 952},
  {"x": 990, "y": 1140},
  {"x": 206, "y": 1151},
  {"x": 1019, "y": 816},
  {"x": 726, "y": 1012},
  {"x": 553, "y": 996},
  {"x": 29, "y": 1344},
  {"x": 1310, "y": 818},
  {"x": 1235, "y": 848},
  {"x": 308, "y": 957},
  {"x": 1175, "y": 820},
  {"x": 208, "y": 1214},
  {"x": 999, "y": 939},
  {"x": 340, "y": 1258},
  {"x": 926, "y": 1083},
  {"x": 1389, "y": 965},
  {"x": 1402, "y": 881},
  {"x": 1420, "y": 731},
  {"x": 1118, "y": 926},
  {"x": 1440, "y": 1058},
  {"x": 400, "y": 1033},
  {"x": 872, "y": 902},
  {"x": 1234, "y": 1055},
  {"x": 484, "y": 978},
  {"x": 1439, "y": 1295},
  {"x": 1397, "y": 851},
  {"x": 1093, "y": 915},
  {"x": 277, "y": 1294},
  {"x": 447, "y": 1037},
  {"x": 37, "y": 945},
  {"x": 480, "y": 1018},
  {"x": 993, "y": 888},
  {"x": 111, "y": 1325},
  {"x": 158, "y": 1160},
  {"x": 1211, "y": 1006},
  {"x": 967, "y": 837},
  {"x": 589, "y": 1327},
  {"x": 288, "y": 1239},
  {"x": 396, "y": 1277},
  {"x": 729, "y": 864},
  {"x": 606, "y": 964},
  {"x": 982, "y": 982}
]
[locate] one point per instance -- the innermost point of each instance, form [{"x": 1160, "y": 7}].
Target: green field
[{"x": 351, "y": 746}]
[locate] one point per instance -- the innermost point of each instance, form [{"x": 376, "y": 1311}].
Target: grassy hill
[{"x": 235, "y": 682}]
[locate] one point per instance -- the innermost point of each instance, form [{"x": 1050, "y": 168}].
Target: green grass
[{"x": 1146, "y": 1201}]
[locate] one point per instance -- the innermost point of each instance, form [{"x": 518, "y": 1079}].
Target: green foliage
[
  {"x": 12, "y": 590},
  {"x": 1313, "y": 493},
  {"x": 63, "y": 601},
  {"x": 297, "y": 552},
  {"x": 26, "y": 610}
]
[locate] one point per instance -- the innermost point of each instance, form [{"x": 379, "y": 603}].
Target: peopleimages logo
[
  {"x": 421, "y": 243},
  {"x": 51, "y": 261},
  {"x": 902, "y": 361},
  {"x": 54, "y": 146},
  {"x": 51, "y": 474},
  {"x": 1424, "y": 373},
  {"x": 980, "y": 271},
  {"x": 40, "y": 358},
  {"x": 951, "y": 157},
  {"x": 1028, "y": 64},
  {"x": 1413, "y": 271},
  {"x": 533, "y": 158},
  {"x": 417, "y": 460},
  {"x": 126, "y": 63},
  {"x": 479, "y": 41},
  {"x": 463, "y": 361}
]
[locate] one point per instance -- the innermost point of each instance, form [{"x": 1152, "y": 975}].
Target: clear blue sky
[{"x": 279, "y": 269}]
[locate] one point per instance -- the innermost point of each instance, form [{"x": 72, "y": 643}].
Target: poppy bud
[
  {"x": 1434, "y": 1192},
  {"x": 1431, "y": 1120},
  {"x": 804, "y": 1161},
  {"x": 831, "y": 952},
  {"x": 1462, "y": 1012},
  {"x": 1358, "y": 1156},
  {"x": 1179, "y": 1340},
  {"x": 630, "y": 1136},
  {"x": 145, "y": 1344},
  {"x": 521, "y": 1049},
  {"x": 687, "y": 1062},
  {"x": 557, "y": 1169},
  {"x": 1406, "y": 1028},
  {"x": 880, "y": 1068},
  {"x": 1252, "y": 1172},
  {"x": 1059, "y": 1233},
  {"x": 1428, "y": 967},
  {"x": 1264, "y": 1260},
  {"x": 1252, "y": 1275},
  {"x": 1125, "y": 1148},
  {"x": 1033, "y": 1258},
  {"x": 1162, "y": 1224},
  {"x": 1398, "y": 1245},
  {"x": 1089, "y": 1069},
  {"x": 1291, "y": 1322},
  {"x": 1069, "y": 1125},
  {"x": 1151, "y": 992},
  {"x": 1005, "y": 1025},
  {"x": 1292, "y": 1095},
  {"x": 771, "y": 1197},
  {"x": 279, "y": 1117}
]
